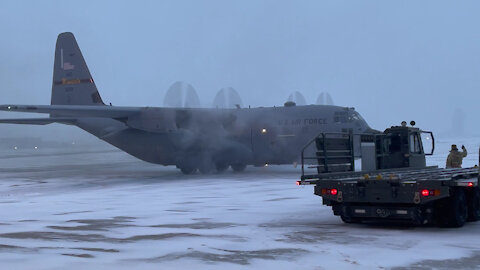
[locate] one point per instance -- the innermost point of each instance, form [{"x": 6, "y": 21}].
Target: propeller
[
  {"x": 324, "y": 99},
  {"x": 181, "y": 94},
  {"x": 227, "y": 97},
  {"x": 298, "y": 98}
]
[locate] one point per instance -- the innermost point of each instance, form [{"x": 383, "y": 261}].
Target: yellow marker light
[
  {"x": 366, "y": 176},
  {"x": 70, "y": 81},
  {"x": 264, "y": 130},
  {"x": 379, "y": 177}
]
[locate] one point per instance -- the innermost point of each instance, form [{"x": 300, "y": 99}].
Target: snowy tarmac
[{"x": 107, "y": 210}]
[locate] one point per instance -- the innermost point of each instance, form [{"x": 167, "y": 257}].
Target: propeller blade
[
  {"x": 227, "y": 97},
  {"x": 297, "y": 97},
  {"x": 181, "y": 95}
]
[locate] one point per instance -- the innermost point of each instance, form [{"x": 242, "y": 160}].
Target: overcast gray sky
[{"x": 391, "y": 60}]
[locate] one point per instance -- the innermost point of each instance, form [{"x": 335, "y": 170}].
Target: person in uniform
[{"x": 454, "y": 159}]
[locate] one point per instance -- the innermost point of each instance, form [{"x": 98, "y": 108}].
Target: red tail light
[
  {"x": 430, "y": 192},
  {"x": 329, "y": 191},
  {"x": 470, "y": 184}
]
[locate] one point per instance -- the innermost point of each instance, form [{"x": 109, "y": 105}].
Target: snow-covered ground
[{"x": 107, "y": 210}]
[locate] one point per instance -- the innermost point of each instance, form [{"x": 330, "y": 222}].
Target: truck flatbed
[{"x": 401, "y": 175}]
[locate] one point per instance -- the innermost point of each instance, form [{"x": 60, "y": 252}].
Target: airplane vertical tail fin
[{"x": 72, "y": 82}]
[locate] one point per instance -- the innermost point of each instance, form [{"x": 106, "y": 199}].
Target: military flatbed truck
[{"x": 394, "y": 184}]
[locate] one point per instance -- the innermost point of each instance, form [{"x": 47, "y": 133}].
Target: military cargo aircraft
[{"x": 193, "y": 139}]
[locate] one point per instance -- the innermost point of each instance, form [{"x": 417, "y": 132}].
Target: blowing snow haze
[{"x": 407, "y": 60}]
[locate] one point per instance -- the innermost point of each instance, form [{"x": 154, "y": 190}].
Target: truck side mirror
[{"x": 428, "y": 142}]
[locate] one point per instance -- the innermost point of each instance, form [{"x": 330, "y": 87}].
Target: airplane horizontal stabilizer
[
  {"x": 75, "y": 110},
  {"x": 37, "y": 121}
]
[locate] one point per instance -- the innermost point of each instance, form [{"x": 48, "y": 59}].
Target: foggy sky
[{"x": 391, "y": 60}]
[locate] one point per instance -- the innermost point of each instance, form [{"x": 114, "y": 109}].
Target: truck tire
[
  {"x": 456, "y": 209},
  {"x": 349, "y": 220},
  {"x": 474, "y": 204}
]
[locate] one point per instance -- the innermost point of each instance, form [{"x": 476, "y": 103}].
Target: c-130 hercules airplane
[{"x": 191, "y": 138}]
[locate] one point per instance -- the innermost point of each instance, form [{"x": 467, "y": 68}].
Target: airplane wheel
[
  {"x": 238, "y": 167},
  {"x": 221, "y": 167},
  {"x": 188, "y": 169},
  {"x": 205, "y": 163},
  {"x": 206, "y": 167}
]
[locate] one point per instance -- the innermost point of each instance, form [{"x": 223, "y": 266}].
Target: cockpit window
[
  {"x": 354, "y": 116},
  {"x": 347, "y": 117},
  {"x": 340, "y": 117}
]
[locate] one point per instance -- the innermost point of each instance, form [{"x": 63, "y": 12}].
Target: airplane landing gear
[
  {"x": 188, "y": 169},
  {"x": 221, "y": 166},
  {"x": 239, "y": 167},
  {"x": 187, "y": 166},
  {"x": 206, "y": 167}
]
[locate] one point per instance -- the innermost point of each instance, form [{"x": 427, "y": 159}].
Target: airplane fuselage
[{"x": 248, "y": 136}]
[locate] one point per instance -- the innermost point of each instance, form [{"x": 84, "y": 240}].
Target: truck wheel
[
  {"x": 474, "y": 205},
  {"x": 349, "y": 220},
  {"x": 457, "y": 211}
]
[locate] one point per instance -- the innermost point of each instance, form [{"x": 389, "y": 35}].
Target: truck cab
[{"x": 400, "y": 147}]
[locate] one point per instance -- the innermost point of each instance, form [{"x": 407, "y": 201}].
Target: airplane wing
[
  {"x": 75, "y": 110},
  {"x": 38, "y": 121}
]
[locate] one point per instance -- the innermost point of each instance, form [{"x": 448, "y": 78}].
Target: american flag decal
[{"x": 68, "y": 66}]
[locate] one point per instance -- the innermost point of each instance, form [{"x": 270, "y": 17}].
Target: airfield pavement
[{"x": 103, "y": 209}]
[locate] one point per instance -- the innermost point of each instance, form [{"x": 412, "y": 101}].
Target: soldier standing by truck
[{"x": 455, "y": 158}]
